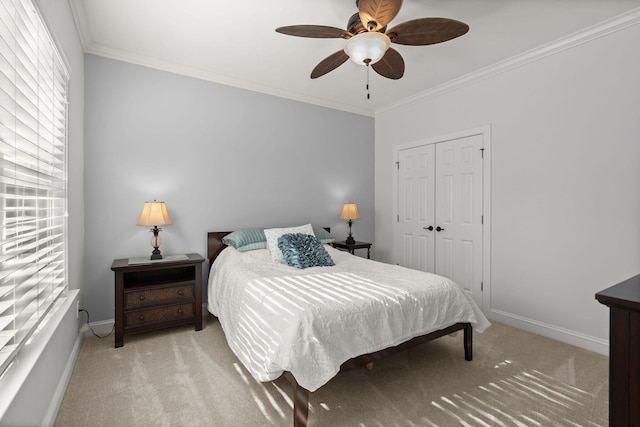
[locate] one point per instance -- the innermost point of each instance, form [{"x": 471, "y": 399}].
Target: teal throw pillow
[
  {"x": 323, "y": 235},
  {"x": 303, "y": 251},
  {"x": 246, "y": 239}
]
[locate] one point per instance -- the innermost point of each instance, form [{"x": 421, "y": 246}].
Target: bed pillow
[
  {"x": 272, "y": 235},
  {"x": 303, "y": 251},
  {"x": 323, "y": 235},
  {"x": 246, "y": 239}
]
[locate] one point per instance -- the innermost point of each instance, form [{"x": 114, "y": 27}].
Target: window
[{"x": 33, "y": 175}]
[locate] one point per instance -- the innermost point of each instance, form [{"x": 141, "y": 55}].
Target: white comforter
[{"x": 277, "y": 318}]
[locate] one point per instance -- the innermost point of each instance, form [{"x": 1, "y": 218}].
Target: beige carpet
[{"x": 179, "y": 377}]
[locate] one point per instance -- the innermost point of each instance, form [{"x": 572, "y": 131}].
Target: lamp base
[
  {"x": 350, "y": 240},
  {"x": 156, "y": 254},
  {"x": 155, "y": 242}
]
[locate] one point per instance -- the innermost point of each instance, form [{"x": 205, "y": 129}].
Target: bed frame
[{"x": 300, "y": 394}]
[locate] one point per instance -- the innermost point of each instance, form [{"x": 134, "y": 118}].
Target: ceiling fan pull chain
[{"x": 368, "y": 95}]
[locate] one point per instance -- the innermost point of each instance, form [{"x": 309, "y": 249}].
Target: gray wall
[
  {"x": 565, "y": 199},
  {"x": 222, "y": 158}
]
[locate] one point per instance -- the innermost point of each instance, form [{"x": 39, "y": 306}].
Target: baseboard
[
  {"x": 102, "y": 328},
  {"x": 567, "y": 336},
  {"x": 588, "y": 342}
]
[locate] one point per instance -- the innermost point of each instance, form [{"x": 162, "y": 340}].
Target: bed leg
[
  {"x": 468, "y": 342},
  {"x": 300, "y": 406}
]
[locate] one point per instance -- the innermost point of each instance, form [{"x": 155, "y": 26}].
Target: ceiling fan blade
[
  {"x": 391, "y": 65},
  {"x": 424, "y": 31},
  {"x": 329, "y": 63},
  {"x": 375, "y": 14},
  {"x": 314, "y": 31}
]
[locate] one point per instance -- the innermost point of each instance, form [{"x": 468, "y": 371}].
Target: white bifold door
[{"x": 440, "y": 211}]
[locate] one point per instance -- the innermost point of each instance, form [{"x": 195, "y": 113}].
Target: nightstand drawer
[
  {"x": 157, "y": 296},
  {"x": 158, "y": 314}
]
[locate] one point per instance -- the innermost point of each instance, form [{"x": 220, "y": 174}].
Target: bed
[{"x": 309, "y": 324}]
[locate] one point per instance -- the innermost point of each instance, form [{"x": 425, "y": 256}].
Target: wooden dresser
[
  {"x": 623, "y": 301},
  {"x": 157, "y": 294}
]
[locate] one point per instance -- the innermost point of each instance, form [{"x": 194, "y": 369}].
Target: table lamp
[
  {"x": 350, "y": 212},
  {"x": 155, "y": 213}
]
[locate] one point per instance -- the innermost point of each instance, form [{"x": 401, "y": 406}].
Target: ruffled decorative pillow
[{"x": 303, "y": 251}]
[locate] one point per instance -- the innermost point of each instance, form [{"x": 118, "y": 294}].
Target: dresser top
[{"x": 624, "y": 295}]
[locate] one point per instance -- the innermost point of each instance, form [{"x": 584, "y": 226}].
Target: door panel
[{"x": 445, "y": 257}]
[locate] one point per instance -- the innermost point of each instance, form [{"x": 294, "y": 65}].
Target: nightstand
[
  {"x": 353, "y": 247},
  {"x": 157, "y": 294}
]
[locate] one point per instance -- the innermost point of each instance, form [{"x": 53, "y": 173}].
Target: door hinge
[
  {"x": 482, "y": 153},
  {"x": 482, "y": 219},
  {"x": 398, "y": 165},
  {"x": 481, "y": 286},
  {"x": 398, "y": 218}
]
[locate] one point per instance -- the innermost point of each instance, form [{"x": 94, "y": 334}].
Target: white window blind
[{"x": 33, "y": 175}]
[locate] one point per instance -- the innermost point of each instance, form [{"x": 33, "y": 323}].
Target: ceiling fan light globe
[{"x": 367, "y": 47}]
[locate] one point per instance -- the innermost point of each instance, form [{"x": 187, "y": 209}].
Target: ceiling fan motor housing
[{"x": 354, "y": 26}]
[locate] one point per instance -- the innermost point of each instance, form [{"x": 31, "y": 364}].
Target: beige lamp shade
[
  {"x": 154, "y": 213},
  {"x": 350, "y": 211}
]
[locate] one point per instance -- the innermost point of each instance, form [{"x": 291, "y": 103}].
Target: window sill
[{"x": 16, "y": 376}]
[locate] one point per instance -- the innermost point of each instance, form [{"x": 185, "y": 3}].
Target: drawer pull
[
  {"x": 141, "y": 297},
  {"x": 179, "y": 311},
  {"x": 141, "y": 317},
  {"x": 181, "y": 292}
]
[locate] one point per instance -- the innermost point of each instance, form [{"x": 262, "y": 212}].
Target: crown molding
[
  {"x": 90, "y": 47},
  {"x": 80, "y": 19},
  {"x": 99, "y": 50},
  {"x": 586, "y": 35},
  {"x": 578, "y": 38}
]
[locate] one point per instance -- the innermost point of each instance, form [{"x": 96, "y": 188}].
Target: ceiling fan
[{"x": 368, "y": 40}]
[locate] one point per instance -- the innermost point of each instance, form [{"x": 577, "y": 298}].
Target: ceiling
[{"x": 235, "y": 43}]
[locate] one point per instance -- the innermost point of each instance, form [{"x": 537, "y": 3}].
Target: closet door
[
  {"x": 440, "y": 210},
  {"x": 416, "y": 208},
  {"x": 458, "y": 217}
]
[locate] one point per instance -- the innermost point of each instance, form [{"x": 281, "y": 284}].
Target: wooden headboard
[{"x": 215, "y": 245}]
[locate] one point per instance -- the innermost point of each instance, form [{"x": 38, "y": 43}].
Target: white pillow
[{"x": 273, "y": 234}]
